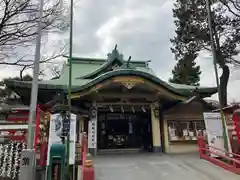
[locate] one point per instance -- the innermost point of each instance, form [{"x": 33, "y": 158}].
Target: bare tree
[
  {"x": 233, "y": 6},
  {"x": 18, "y": 28},
  {"x": 47, "y": 60}
]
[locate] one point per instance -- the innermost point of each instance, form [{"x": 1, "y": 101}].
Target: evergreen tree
[
  {"x": 192, "y": 33},
  {"x": 186, "y": 71}
]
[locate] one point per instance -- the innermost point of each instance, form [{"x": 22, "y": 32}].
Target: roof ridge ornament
[
  {"x": 128, "y": 61},
  {"x": 115, "y": 54},
  {"x": 128, "y": 64}
]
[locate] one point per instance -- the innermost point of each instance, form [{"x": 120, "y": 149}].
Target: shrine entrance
[{"x": 119, "y": 130}]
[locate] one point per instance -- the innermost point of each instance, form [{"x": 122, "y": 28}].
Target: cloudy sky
[{"x": 141, "y": 28}]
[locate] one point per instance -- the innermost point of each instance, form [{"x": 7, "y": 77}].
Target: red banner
[
  {"x": 14, "y": 135},
  {"x": 236, "y": 119},
  {"x": 21, "y": 116},
  {"x": 18, "y": 115}
]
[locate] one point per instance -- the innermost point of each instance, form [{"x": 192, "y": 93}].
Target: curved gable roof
[
  {"x": 147, "y": 76},
  {"x": 138, "y": 65},
  {"x": 124, "y": 72},
  {"x": 80, "y": 85},
  {"x": 114, "y": 58},
  {"x": 103, "y": 68}
]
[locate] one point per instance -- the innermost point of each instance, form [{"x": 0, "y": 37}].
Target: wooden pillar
[
  {"x": 80, "y": 128},
  {"x": 166, "y": 139},
  {"x": 81, "y": 124},
  {"x": 157, "y": 147}
]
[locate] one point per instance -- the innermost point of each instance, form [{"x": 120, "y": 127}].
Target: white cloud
[
  {"x": 8, "y": 72},
  {"x": 141, "y": 29}
]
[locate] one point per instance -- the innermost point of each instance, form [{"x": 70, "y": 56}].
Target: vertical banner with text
[
  {"x": 92, "y": 129},
  {"x": 214, "y": 130},
  {"x": 56, "y": 125}
]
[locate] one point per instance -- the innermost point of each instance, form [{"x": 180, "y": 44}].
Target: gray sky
[{"x": 141, "y": 29}]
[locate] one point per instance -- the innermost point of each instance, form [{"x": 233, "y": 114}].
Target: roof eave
[
  {"x": 207, "y": 92},
  {"x": 204, "y": 92},
  {"x": 28, "y": 84}
]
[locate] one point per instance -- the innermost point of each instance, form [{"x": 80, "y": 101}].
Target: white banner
[
  {"x": 92, "y": 128},
  {"x": 214, "y": 130},
  {"x": 54, "y": 132},
  {"x": 92, "y": 134}
]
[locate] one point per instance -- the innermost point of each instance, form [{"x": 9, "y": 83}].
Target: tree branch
[
  {"x": 18, "y": 22},
  {"x": 225, "y": 3},
  {"x": 44, "y": 60}
]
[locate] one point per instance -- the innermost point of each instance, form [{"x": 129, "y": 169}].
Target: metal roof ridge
[{"x": 104, "y": 59}]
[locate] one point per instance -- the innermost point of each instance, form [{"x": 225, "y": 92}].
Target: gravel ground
[{"x": 158, "y": 167}]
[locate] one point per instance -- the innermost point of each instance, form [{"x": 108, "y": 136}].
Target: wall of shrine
[{"x": 181, "y": 125}]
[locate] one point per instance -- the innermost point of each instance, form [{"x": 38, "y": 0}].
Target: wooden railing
[{"x": 224, "y": 159}]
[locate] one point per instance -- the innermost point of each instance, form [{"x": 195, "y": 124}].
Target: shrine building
[{"x": 136, "y": 110}]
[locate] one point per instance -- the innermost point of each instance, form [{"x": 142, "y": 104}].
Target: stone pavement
[{"x": 158, "y": 167}]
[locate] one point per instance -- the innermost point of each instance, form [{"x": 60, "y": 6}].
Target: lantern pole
[
  {"x": 69, "y": 85},
  {"x": 34, "y": 91}
]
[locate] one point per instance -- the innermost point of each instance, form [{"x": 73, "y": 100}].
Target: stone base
[{"x": 157, "y": 149}]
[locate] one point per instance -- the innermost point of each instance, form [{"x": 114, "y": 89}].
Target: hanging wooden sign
[{"x": 128, "y": 79}]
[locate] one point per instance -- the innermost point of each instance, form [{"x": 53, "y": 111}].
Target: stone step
[{"x": 119, "y": 151}]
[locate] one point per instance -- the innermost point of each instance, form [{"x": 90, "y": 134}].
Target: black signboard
[
  {"x": 66, "y": 126},
  {"x": 25, "y": 161},
  {"x": 93, "y": 112}
]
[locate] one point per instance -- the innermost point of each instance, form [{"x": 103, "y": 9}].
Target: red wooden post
[
  {"x": 236, "y": 120},
  {"x": 43, "y": 153},
  {"x": 37, "y": 127},
  {"x": 84, "y": 148},
  {"x": 201, "y": 144},
  {"x": 88, "y": 173},
  {"x": 87, "y": 166}
]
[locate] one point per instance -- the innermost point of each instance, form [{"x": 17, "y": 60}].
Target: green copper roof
[
  {"x": 81, "y": 84},
  {"x": 90, "y": 68},
  {"x": 87, "y": 72},
  {"x": 81, "y": 70}
]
